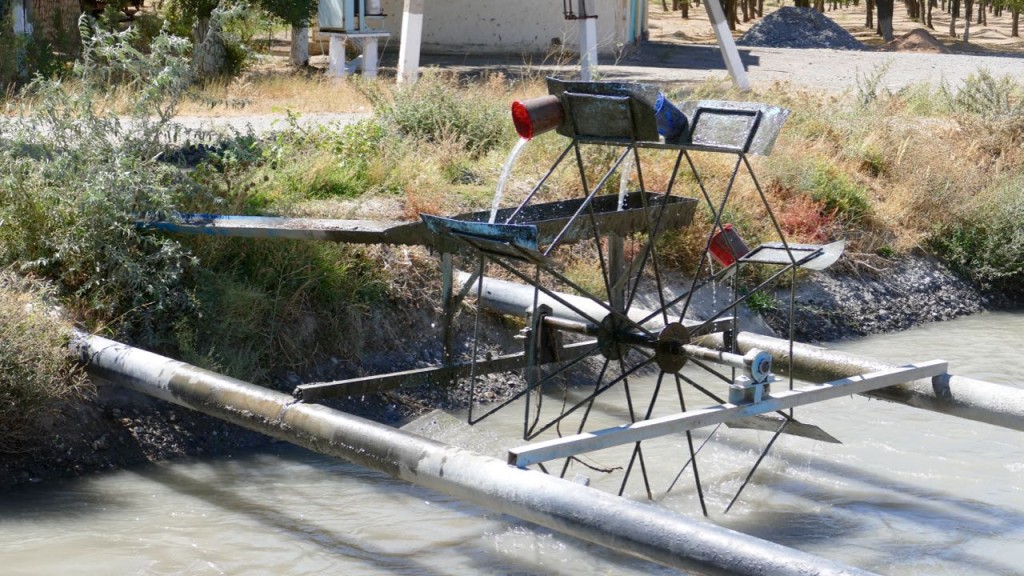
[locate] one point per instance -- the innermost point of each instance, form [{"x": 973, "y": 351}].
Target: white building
[{"x": 517, "y": 26}]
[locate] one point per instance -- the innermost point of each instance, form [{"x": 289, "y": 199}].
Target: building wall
[{"x": 509, "y": 26}]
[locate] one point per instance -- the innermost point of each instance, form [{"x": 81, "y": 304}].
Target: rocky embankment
[
  {"x": 883, "y": 296},
  {"x": 116, "y": 428}
]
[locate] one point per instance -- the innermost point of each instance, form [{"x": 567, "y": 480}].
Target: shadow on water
[
  {"x": 222, "y": 491},
  {"x": 831, "y": 514}
]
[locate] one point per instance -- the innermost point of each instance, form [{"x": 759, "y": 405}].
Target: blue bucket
[{"x": 672, "y": 123}]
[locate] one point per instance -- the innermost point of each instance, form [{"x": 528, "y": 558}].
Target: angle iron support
[{"x": 588, "y": 442}]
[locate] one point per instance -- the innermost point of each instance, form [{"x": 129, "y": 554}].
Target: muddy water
[{"x": 908, "y": 492}]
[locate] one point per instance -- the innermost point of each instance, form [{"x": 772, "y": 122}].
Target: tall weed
[
  {"x": 437, "y": 108},
  {"x": 36, "y": 370},
  {"x": 987, "y": 243}
]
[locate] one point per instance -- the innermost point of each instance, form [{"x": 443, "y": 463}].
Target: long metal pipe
[
  {"x": 633, "y": 528},
  {"x": 968, "y": 398}
]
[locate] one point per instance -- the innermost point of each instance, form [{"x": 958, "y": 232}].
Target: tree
[
  {"x": 1015, "y": 7},
  {"x": 298, "y": 13},
  {"x": 968, "y": 6},
  {"x": 885, "y": 10},
  {"x": 198, "y": 12}
]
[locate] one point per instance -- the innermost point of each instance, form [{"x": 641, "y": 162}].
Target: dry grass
[
  {"x": 269, "y": 91},
  {"x": 36, "y": 370}
]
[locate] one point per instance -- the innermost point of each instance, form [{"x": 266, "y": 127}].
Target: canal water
[{"x": 907, "y": 492}]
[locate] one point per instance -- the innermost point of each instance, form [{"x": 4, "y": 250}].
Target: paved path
[
  {"x": 263, "y": 123},
  {"x": 829, "y": 70}
]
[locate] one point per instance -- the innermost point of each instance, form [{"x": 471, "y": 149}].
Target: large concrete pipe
[
  {"x": 630, "y": 527},
  {"x": 955, "y": 395}
]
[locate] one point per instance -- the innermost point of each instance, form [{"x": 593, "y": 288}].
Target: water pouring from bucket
[
  {"x": 532, "y": 118},
  {"x": 727, "y": 247}
]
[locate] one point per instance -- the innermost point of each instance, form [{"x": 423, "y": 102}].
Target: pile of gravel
[{"x": 790, "y": 27}]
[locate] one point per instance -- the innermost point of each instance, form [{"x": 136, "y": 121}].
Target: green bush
[
  {"x": 322, "y": 162},
  {"x": 838, "y": 192},
  {"x": 987, "y": 244},
  {"x": 75, "y": 176},
  {"x": 992, "y": 107},
  {"x": 435, "y": 109}
]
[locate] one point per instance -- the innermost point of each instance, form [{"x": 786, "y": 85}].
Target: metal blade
[{"x": 794, "y": 428}]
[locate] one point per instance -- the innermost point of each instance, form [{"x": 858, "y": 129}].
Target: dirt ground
[{"x": 993, "y": 37}]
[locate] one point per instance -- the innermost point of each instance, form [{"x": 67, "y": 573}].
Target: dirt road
[{"x": 820, "y": 69}]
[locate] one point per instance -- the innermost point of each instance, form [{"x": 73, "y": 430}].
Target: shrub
[
  {"x": 75, "y": 177},
  {"x": 991, "y": 107},
  {"x": 838, "y": 192},
  {"x": 437, "y": 108},
  {"x": 36, "y": 370},
  {"x": 987, "y": 244}
]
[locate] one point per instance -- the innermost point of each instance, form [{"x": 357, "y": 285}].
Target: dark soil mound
[
  {"x": 790, "y": 27},
  {"x": 917, "y": 40}
]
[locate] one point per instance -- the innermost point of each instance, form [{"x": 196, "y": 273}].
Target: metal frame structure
[
  {"x": 525, "y": 242},
  {"x": 601, "y": 335}
]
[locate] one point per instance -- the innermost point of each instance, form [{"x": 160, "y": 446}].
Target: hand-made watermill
[{"x": 580, "y": 342}]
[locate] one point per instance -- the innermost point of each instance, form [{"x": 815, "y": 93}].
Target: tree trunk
[
  {"x": 913, "y": 10},
  {"x": 931, "y": 4},
  {"x": 730, "y": 13},
  {"x": 885, "y": 10},
  {"x": 869, "y": 22},
  {"x": 300, "y": 45},
  {"x": 685, "y": 6},
  {"x": 199, "y": 30},
  {"x": 954, "y": 11},
  {"x": 968, "y": 4},
  {"x": 760, "y": 8},
  {"x": 1015, "y": 23},
  {"x": 209, "y": 57}
]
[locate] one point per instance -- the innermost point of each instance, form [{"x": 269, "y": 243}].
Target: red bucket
[
  {"x": 727, "y": 246},
  {"x": 537, "y": 115}
]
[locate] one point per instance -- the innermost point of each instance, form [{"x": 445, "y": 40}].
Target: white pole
[
  {"x": 412, "y": 37},
  {"x": 727, "y": 45},
  {"x": 588, "y": 48}
]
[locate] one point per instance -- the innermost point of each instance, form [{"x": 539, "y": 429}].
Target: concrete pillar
[
  {"x": 21, "y": 21},
  {"x": 727, "y": 45},
  {"x": 412, "y": 37},
  {"x": 368, "y": 45},
  {"x": 336, "y": 57}
]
